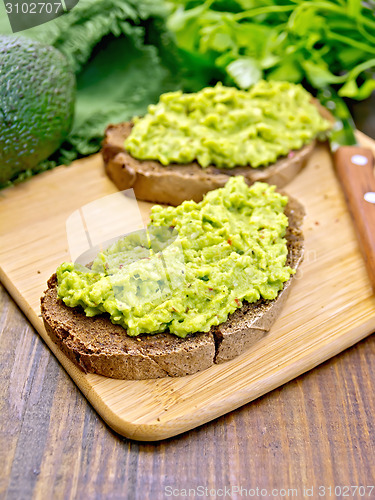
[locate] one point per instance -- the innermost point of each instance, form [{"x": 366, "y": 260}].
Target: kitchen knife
[{"x": 355, "y": 169}]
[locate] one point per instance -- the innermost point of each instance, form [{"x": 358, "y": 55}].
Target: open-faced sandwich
[
  {"x": 199, "y": 286},
  {"x": 189, "y": 144}
]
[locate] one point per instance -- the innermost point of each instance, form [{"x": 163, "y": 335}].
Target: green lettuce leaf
[{"x": 123, "y": 57}]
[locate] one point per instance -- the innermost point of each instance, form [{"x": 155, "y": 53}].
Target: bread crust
[
  {"x": 98, "y": 346},
  {"x": 174, "y": 183}
]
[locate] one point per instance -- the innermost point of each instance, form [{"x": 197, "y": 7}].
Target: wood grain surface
[
  {"x": 331, "y": 305},
  {"x": 317, "y": 430},
  {"x": 358, "y": 180}
]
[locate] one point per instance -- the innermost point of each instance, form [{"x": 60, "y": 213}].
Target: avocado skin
[{"x": 37, "y": 94}]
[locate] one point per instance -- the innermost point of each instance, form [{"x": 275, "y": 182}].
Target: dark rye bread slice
[
  {"x": 97, "y": 346},
  {"x": 174, "y": 183}
]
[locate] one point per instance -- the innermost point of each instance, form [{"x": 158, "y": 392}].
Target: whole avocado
[{"x": 37, "y": 94}]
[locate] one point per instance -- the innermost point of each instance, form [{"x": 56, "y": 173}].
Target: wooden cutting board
[{"x": 330, "y": 307}]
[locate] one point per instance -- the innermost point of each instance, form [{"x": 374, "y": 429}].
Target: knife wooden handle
[{"x": 355, "y": 170}]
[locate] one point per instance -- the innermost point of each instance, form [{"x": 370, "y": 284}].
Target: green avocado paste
[
  {"x": 195, "y": 264},
  {"x": 226, "y": 127}
]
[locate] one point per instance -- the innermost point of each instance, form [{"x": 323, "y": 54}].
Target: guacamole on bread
[
  {"x": 226, "y": 127},
  {"x": 227, "y": 249}
]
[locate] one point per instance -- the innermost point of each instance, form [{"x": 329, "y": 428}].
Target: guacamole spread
[
  {"x": 226, "y": 127},
  {"x": 194, "y": 265}
]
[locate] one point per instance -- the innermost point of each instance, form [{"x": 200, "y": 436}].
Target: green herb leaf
[
  {"x": 245, "y": 72},
  {"x": 321, "y": 43}
]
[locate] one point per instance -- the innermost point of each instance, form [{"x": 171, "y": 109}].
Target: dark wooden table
[{"x": 312, "y": 438}]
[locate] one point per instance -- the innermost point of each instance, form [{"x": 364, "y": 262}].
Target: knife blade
[{"x": 354, "y": 167}]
